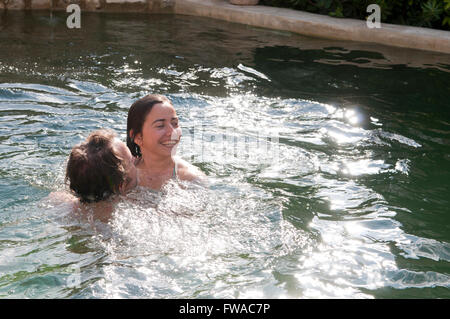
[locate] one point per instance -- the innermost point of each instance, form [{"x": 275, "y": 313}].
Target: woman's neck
[{"x": 156, "y": 164}]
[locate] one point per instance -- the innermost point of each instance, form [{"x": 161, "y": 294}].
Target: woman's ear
[
  {"x": 131, "y": 135},
  {"x": 137, "y": 139}
]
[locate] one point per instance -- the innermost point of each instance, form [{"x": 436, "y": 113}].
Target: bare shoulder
[
  {"x": 188, "y": 172},
  {"x": 101, "y": 211},
  {"x": 62, "y": 197},
  {"x": 59, "y": 197}
]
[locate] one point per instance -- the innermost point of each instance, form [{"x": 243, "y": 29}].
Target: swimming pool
[{"x": 328, "y": 161}]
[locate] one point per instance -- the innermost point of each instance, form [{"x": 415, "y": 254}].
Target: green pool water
[{"x": 328, "y": 162}]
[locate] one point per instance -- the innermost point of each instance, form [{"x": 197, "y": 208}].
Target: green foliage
[{"x": 423, "y": 13}]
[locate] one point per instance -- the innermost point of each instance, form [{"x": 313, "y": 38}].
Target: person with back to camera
[
  {"x": 98, "y": 168},
  {"x": 153, "y": 134}
]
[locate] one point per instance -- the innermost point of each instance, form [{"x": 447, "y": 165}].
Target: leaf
[
  {"x": 431, "y": 10},
  {"x": 446, "y": 21},
  {"x": 447, "y": 4},
  {"x": 338, "y": 13}
]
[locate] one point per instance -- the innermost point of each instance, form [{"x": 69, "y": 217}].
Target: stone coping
[
  {"x": 316, "y": 25},
  {"x": 309, "y": 24}
]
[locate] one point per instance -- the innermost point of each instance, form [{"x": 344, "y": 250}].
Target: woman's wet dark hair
[
  {"x": 136, "y": 117},
  {"x": 94, "y": 170}
]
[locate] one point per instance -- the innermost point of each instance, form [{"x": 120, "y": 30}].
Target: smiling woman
[{"x": 153, "y": 135}]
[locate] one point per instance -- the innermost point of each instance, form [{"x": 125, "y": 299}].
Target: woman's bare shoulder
[{"x": 187, "y": 171}]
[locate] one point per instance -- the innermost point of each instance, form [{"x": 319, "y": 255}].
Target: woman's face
[
  {"x": 160, "y": 131},
  {"x": 123, "y": 151}
]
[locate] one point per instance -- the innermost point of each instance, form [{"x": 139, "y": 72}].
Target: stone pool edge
[
  {"x": 282, "y": 19},
  {"x": 316, "y": 25}
]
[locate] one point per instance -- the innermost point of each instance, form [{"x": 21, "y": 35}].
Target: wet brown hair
[
  {"x": 136, "y": 117},
  {"x": 94, "y": 170}
]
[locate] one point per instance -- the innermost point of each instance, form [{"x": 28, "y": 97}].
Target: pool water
[{"x": 328, "y": 162}]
